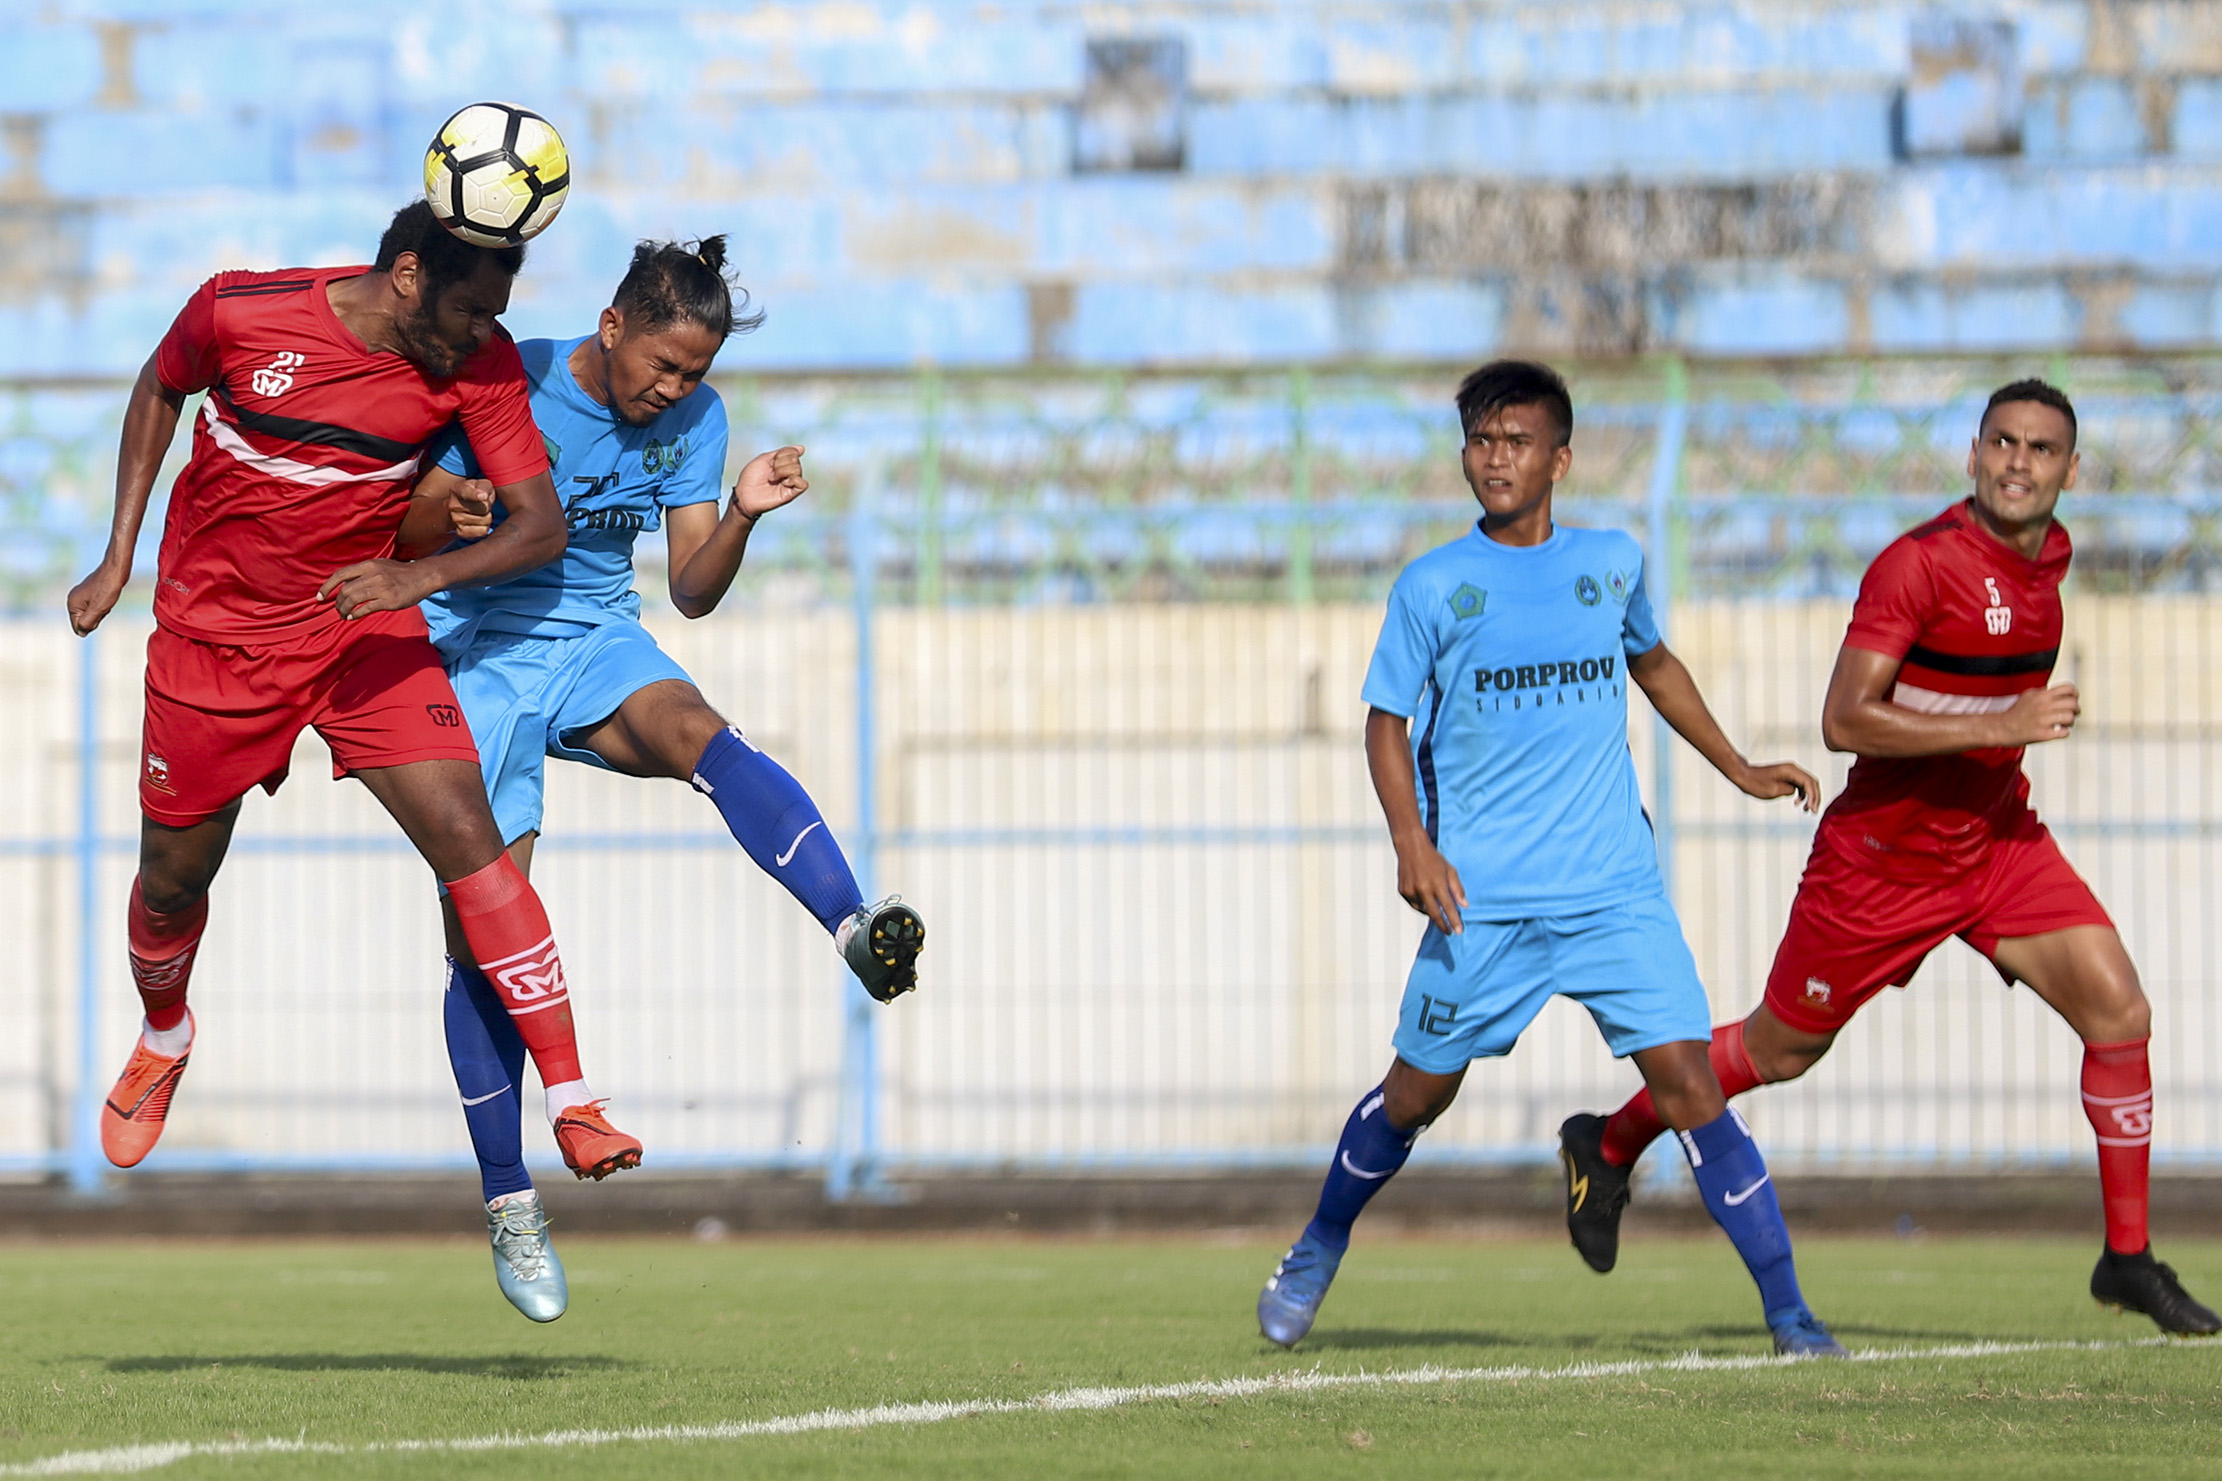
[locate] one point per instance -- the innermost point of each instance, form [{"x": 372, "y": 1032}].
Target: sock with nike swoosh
[
  {"x": 773, "y": 818},
  {"x": 1740, "y": 1196},
  {"x": 488, "y": 1058},
  {"x": 1369, "y": 1154}
]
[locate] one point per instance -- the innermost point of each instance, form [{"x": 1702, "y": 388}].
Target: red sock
[
  {"x": 509, "y": 934},
  {"x": 1636, "y": 1125},
  {"x": 162, "y": 951},
  {"x": 2118, "y": 1097}
]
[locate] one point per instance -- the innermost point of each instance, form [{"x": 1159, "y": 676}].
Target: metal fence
[{"x": 1072, "y": 660}]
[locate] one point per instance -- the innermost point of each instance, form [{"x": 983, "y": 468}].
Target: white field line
[{"x": 130, "y": 1458}]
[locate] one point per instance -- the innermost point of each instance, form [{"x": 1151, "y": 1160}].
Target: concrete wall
[
  {"x": 1302, "y": 179},
  {"x": 1090, "y": 995}
]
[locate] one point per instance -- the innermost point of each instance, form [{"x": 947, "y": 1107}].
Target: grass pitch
[{"x": 358, "y": 1350}]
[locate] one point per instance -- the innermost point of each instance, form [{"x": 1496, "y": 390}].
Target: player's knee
[
  {"x": 1775, "y": 1063},
  {"x": 1414, "y": 1099},
  {"x": 167, "y": 893}
]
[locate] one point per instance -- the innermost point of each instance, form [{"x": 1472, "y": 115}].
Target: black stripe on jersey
[
  {"x": 320, "y": 434},
  {"x": 1984, "y": 665},
  {"x": 1428, "y": 787},
  {"x": 255, "y": 290}
]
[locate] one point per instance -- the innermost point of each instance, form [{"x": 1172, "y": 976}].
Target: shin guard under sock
[
  {"x": 773, "y": 818},
  {"x": 2118, "y": 1099},
  {"x": 1637, "y": 1124},
  {"x": 508, "y": 930},
  {"x": 1740, "y": 1196},
  {"x": 488, "y": 1059},
  {"x": 162, "y": 952},
  {"x": 1369, "y": 1154}
]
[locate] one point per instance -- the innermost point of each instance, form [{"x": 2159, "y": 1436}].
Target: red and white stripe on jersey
[
  {"x": 304, "y": 452},
  {"x": 1972, "y": 623}
]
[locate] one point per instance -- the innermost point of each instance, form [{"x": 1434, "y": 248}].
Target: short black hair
[
  {"x": 444, "y": 258},
  {"x": 2044, "y": 393},
  {"x": 683, "y": 282},
  {"x": 1503, "y": 383}
]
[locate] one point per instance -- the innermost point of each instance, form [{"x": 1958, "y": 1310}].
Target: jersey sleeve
[
  {"x": 450, "y": 452},
  {"x": 497, "y": 416},
  {"x": 1896, "y": 597},
  {"x": 1404, "y": 655},
  {"x": 1639, "y": 624},
  {"x": 189, "y": 359},
  {"x": 702, "y": 467}
]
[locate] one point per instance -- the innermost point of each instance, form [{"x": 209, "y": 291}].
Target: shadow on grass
[
  {"x": 1364, "y": 1339},
  {"x": 493, "y": 1365},
  {"x": 1677, "y": 1343}
]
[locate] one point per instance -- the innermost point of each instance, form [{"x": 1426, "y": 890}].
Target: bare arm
[
  {"x": 1426, "y": 880},
  {"x": 1857, "y": 715},
  {"x": 530, "y": 537},
  {"x": 444, "y": 506},
  {"x": 149, "y": 422},
  {"x": 706, "y": 548},
  {"x": 1667, "y": 683}
]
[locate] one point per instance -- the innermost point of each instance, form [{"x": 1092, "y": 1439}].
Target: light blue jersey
[
  {"x": 614, "y": 480},
  {"x": 1511, "y": 662}
]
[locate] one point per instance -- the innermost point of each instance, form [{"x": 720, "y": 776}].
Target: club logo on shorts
[
  {"x": 1468, "y": 601},
  {"x": 1586, "y": 590},
  {"x": 1817, "y": 990},
  {"x": 276, "y": 378},
  {"x": 447, "y": 717},
  {"x": 158, "y": 773}
]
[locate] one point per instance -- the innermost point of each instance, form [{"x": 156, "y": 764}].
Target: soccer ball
[{"x": 496, "y": 174}]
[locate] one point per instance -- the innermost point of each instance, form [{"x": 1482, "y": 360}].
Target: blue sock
[
  {"x": 489, "y": 1059},
  {"x": 774, "y": 819},
  {"x": 1370, "y": 1152},
  {"x": 1732, "y": 1176}
]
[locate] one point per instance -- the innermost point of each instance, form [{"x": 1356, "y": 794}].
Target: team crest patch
[
  {"x": 1586, "y": 591},
  {"x": 158, "y": 773},
  {"x": 1467, "y": 601},
  {"x": 1616, "y": 582},
  {"x": 1817, "y": 990},
  {"x": 662, "y": 457}
]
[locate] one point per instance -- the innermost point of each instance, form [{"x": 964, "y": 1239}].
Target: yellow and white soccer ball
[{"x": 496, "y": 174}]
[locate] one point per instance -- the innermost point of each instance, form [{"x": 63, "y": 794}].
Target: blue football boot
[
  {"x": 525, "y": 1263},
  {"x": 1289, "y": 1304},
  {"x": 1803, "y": 1336}
]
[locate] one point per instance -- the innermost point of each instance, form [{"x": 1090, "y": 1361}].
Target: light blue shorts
[
  {"x": 1471, "y": 995},
  {"x": 523, "y": 698}
]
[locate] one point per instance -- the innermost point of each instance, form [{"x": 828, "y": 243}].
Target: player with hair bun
[{"x": 556, "y": 663}]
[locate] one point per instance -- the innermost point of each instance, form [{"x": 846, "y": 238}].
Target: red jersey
[
  {"x": 1973, "y": 624},
  {"x": 306, "y": 449}
]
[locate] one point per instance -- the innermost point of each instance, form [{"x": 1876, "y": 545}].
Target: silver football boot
[{"x": 525, "y": 1263}]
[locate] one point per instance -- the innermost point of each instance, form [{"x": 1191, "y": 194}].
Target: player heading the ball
[
  {"x": 555, "y": 662},
  {"x": 279, "y": 606},
  {"x": 1943, "y": 679},
  {"x": 1498, "y": 743}
]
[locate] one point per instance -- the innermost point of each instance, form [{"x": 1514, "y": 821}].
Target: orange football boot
[
  {"x": 592, "y": 1148},
  {"x": 131, "y": 1121}
]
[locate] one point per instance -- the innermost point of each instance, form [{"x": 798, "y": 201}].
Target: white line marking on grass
[{"x": 130, "y": 1458}]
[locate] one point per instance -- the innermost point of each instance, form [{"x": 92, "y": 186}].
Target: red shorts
[
  {"x": 1853, "y": 933},
  {"x": 223, "y": 718}
]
